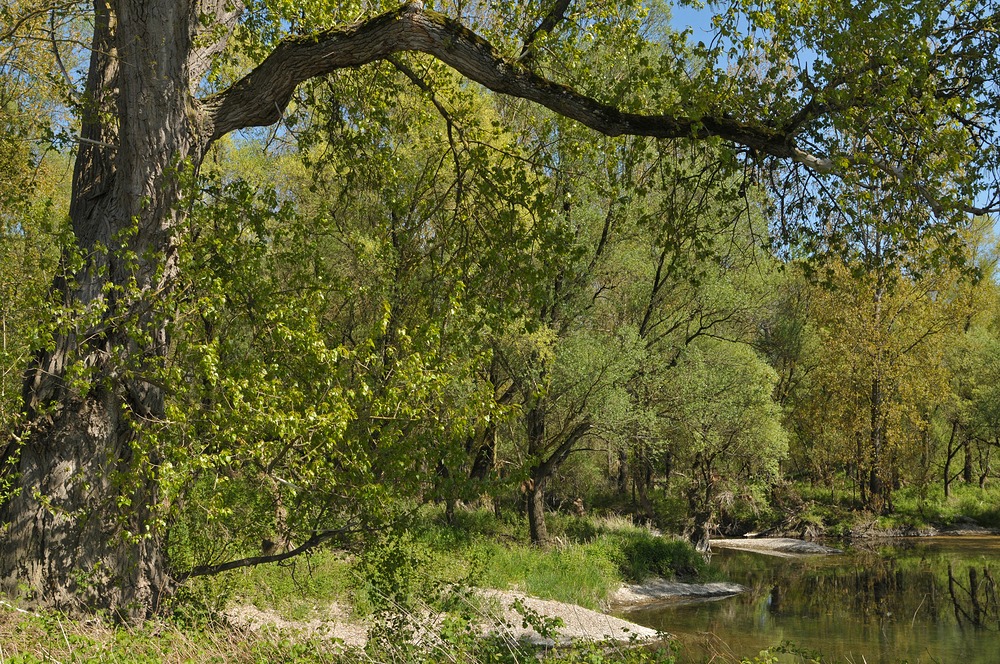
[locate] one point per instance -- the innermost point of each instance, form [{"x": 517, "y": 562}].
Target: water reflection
[
  {"x": 917, "y": 600},
  {"x": 975, "y": 604}
]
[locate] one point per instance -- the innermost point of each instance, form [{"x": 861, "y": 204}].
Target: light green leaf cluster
[{"x": 722, "y": 412}]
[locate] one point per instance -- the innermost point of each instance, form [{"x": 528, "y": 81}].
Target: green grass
[
  {"x": 836, "y": 513},
  {"x": 930, "y": 507},
  {"x": 50, "y": 637},
  {"x": 590, "y": 557},
  {"x": 580, "y": 574}
]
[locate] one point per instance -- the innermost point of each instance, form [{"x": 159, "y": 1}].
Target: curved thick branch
[
  {"x": 308, "y": 545},
  {"x": 260, "y": 97}
]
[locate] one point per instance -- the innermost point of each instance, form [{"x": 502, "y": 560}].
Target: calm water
[{"x": 919, "y": 600}]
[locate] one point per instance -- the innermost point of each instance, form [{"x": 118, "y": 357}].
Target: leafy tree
[
  {"x": 725, "y": 426},
  {"x": 700, "y": 272},
  {"x": 893, "y": 83},
  {"x": 880, "y": 371},
  {"x": 966, "y": 419},
  {"x": 30, "y": 227}
]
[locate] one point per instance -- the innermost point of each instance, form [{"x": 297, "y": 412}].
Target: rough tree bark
[{"x": 79, "y": 533}]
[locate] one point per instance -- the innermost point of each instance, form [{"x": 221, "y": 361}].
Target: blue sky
[{"x": 688, "y": 17}]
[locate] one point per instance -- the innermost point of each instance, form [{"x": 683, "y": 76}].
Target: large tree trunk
[{"x": 81, "y": 531}]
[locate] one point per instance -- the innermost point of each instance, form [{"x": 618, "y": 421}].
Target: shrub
[{"x": 644, "y": 554}]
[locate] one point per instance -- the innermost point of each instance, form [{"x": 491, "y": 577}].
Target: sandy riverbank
[{"x": 498, "y": 614}]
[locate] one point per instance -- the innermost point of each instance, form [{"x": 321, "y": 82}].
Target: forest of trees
[{"x": 274, "y": 273}]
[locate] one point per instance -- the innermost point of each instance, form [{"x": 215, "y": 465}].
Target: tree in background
[
  {"x": 31, "y": 208},
  {"x": 725, "y": 430}
]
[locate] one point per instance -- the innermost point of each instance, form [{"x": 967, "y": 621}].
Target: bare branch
[
  {"x": 311, "y": 543},
  {"x": 71, "y": 89},
  {"x": 551, "y": 20}
]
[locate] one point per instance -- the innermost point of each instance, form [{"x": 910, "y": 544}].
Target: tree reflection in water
[
  {"x": 931, "y": 600},
  {"x": 975, "y": 604}
]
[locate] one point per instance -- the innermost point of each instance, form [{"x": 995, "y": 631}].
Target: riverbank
[
  {"x": 776, "y": 546},
  {"x": 513, "y": 616},
  {"x": 507, "y": 626},
  {"x": 477, "y": 585},
  {"x": 809, "y": 512}
]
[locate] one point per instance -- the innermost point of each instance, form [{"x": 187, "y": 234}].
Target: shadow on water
[{"x": 926, "y": 600}]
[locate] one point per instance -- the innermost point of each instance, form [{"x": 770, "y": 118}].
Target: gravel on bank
[
  {"x": 498, "y": 612},
  {"x": 579, "y": 624},
  {"x": 334, "y": 624},
  {"x": 776, "y": 546}
]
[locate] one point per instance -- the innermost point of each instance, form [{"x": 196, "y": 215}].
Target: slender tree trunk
[
  {"x": 952, "y": 450},
  {"x": 536, "y": 512},
  {"x": 984, "y": 467},
  {"x": 535, "y": 421},
  {"x": 876, "y": 483},
  {"x": 967, "y": 468},
  {"x": 621, "y": 481}
]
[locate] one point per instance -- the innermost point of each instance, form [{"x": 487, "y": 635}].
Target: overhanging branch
[
  {"x": 309, "y": 544},
  {"x": 259, "y": 98}
]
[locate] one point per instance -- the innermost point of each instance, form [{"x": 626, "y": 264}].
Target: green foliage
[
  {"x": 436, "y": 293},
  {"x": 644, "y": 555},
  {"x": 31, "y": 237},
  {"x": 774, "y": 655},
  {"x": 393, "y": 575},
  {"x": 724, "y": 421}
]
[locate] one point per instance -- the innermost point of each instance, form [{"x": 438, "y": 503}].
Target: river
[{"x": 915, "y": 600}]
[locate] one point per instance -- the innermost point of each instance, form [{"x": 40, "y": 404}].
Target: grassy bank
[
  {"x": 588, "y": 559},
  {"x": 840, "y": 513},
  {"x": 427, "y": 566}
]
